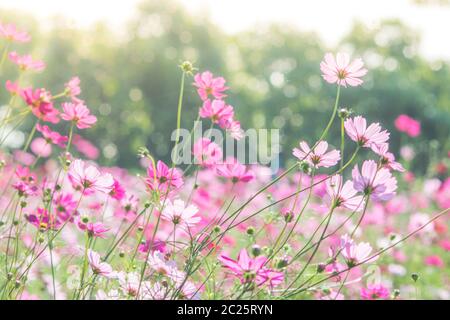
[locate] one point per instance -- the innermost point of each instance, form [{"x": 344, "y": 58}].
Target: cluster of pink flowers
[
  {"x": 408, "y": 125},
  {"x": 211, "y": 91},
  {"x": 171, "y": 235}
]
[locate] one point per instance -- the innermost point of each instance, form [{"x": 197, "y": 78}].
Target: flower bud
[
  {"x": 281, "y": 263},
  {"x": 187, "y": 67},
  {"x": 250, "y": 231},
  {"x": 256, "y": 250},
  {"x": 415, "y": 277},
  {"x": 344, "y": 113},
  {"x": 217, "y": 229}
]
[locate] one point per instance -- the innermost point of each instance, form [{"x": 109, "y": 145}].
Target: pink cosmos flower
[
  {"x": 344, "y": 195},
  {"x": 93, "y": 229},
  {"x": 118, "y": 191},
  {"x": 79, "y": 114},
  {"x": 272, "y": 278},
  {"x": 85, "y": 147},
  {"x": 208, "y": 86},
  {"x": 318, "y": 157},
  {"x": 180, "y": 215},
  {"x": 233, "y": 127},
  {"x": 13, "y": 87},
  {"x": 88, "y": 178},
  {"x": 235, "y": 171},
  {"x": 341, "y": 71},
  {"x": 65, "y": 206},
  {"x": 163, "y": 179},
  {"x": 374, "y": 181},
  {"x": 40, "y": 101},
  {"x": 434, "y": 261},
  {"x": 42, "y": 220},
  {"x": 72, "y": 88},
  {"x": 98, "y": 267},
  {"x": 374, "y": 292},
  {"x": 41, "y": 147},
  {"x": 354, "y": 253},
  {"x": 358, "y": 131},
  {"x": 217, "y": 110},
  {"x": 408, "y": 125},
  {"x": 26, "y": 62},
  {"x": 246, "y": 269},
  {"x": 387, "y": 158},
  {"x": 26, "y": 185},
  {"x": 207, "y": 153},
  {"x": 158, "y": 262},
  {"x": 10, "y": 33},
  {"x": 52, "y": 137}
]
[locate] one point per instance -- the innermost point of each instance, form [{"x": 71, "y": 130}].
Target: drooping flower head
[
  {"x": 89, "y": 178},
  {"x": 26, "y": 62},
  {"x": 374, "y": 181},
  {"x": 98, "y": 267},
  {"x": 344, "y": 195},
  {"x": 79, "y": 114},
  {"x": 72, "y": 88},
  {"x": 52, "y": 137},
  {"x": 358, "y": 131},
  {"x": 208, "y": 86},
  {"x": 11, "y": 33},
  {"x": 387, "y": 158},
  {"x": 93, "y": 229},
  {"x": 317, "y": 157},
  {"x": 341, "y": 71},
  {"x": 40, "y": 102}
]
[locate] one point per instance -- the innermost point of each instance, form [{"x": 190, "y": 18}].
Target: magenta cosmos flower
[
  {"x": 408, "y": 125},
  {"x": 42, "y": 220},
  {"x": 10, "y": 33},
  {"x": 26, "y": 62},
  {"x": 374, "y": 181},
  {"x": 317, "y": 157},
  {"x": 40, "y": 102},
  {"x": 93, "y": 229},
  {"x": 358, "y": 131},
  {"x": 99, "y": 267},
  {"x": 177, "y": 213},
  {"x": 217, "y": 110},
  {"x": 374, "y": 292},
  {"x": 343, "y": 195},
  {"x": 89, "y": 178},
  {"x": 163, "y": 179},
  {"x": 52, "y": 137},
  {"x": 235, "y": 171},
  {"x": 341, "y": 71},
  {"x": 208, "y": 86},
  {"x": 79, "y": 114},
  {"x": 354, "y": 253},
  {"x": 246, "y": 269},
  {"x": 207, "y": 153},
  {"x": 387, "y": 159}
]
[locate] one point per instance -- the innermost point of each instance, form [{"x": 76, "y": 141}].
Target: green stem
[
  {"x": 30, "y": 137},
  {"x": 333, "y": 116},
  {"x": 342, "y": 142},
  {"x": 70, "y": 136}
]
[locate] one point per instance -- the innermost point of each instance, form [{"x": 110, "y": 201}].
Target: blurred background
[{"x": 127, "y": 54}]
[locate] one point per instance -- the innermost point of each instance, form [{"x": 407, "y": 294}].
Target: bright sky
[{"x": 331, "y": 19}]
